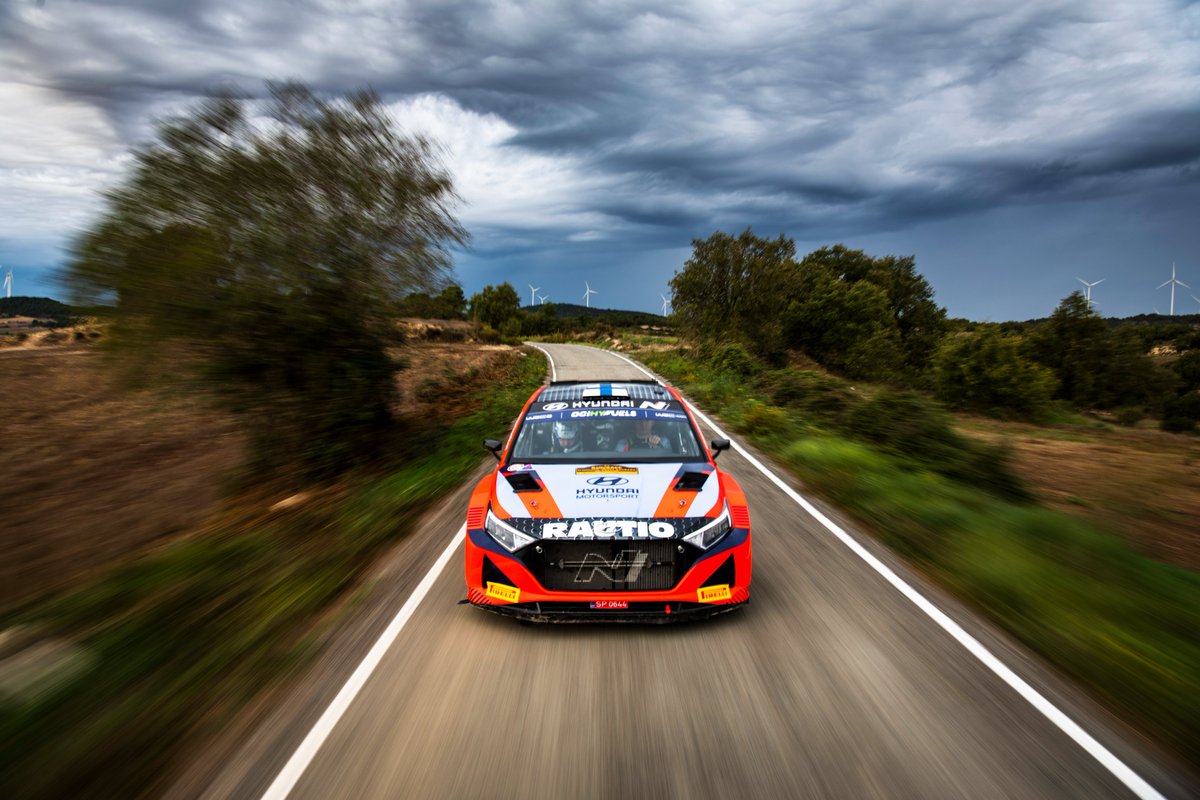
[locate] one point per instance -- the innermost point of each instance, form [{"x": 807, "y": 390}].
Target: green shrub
[
  {"x": 1180, "y": 414},
  {"x": 822, "y": 397},
  {"x": 760, "y": 418},
  {"x": 987, "y": 372},
  {"x": 1129, "y": 415},
  {"x": 906, "y": 425},
  {"x": 734, "y": 358}
]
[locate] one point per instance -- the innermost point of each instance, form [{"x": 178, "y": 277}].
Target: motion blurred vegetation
[{"x": 262, "y": 246}]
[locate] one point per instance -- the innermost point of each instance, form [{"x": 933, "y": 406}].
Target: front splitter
[{"x": 648, "y": 613}]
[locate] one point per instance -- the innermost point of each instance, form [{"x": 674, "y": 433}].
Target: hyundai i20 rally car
[{"x": 607, "y": 505}]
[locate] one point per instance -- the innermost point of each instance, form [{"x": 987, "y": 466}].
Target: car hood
[{"x": 629, "y": 491}]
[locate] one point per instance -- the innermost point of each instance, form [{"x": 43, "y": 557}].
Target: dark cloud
[{"x": 671, "y": 119}]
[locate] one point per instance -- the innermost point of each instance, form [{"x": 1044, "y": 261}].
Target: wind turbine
[
  {"x": 8, "y": 283},
  {"x": 587, "y": 296},
  {"x": 665, "y": 303},
  {"x": 533, "y": 294},
  {"x": 1174, "y": 282},
  {"x": 542, "y": 298},
  {"x": 1089, "y": 288},
  {"x": 1197, "y": 299}
]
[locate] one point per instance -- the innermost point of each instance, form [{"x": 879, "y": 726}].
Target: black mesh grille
[{"x": 609, "y": 565}]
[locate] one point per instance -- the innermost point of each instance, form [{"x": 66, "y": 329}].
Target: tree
[
  {"x": 918, "y": 323},
  {"x": 735, "y": 288},
  {"x": 274, "y": 252},
  {"x": 987, "y": 372},
  {"x": 495, "y": 305}
]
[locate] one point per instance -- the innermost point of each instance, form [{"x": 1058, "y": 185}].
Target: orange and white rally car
[{"x": 607, "y": 505}]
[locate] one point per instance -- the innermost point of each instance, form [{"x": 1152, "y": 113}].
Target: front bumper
[
  {"x": 644, "y": 612},
  {"x": 699, "y": 586}
]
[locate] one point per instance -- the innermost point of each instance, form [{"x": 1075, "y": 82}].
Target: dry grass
[
  {"x": 1140, "y": 484},
  {"x": 91, "y": 475}
]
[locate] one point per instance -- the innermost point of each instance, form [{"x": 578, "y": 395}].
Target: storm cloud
[{"x": 590, "y": 137}]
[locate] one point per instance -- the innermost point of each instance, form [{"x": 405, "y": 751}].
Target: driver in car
[
  {"x": 566, "y": 437},
  {"x": 644, "y": 438}
]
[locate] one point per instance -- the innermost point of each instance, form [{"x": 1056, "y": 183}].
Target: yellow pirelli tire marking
[
  {"x": 511, "y": 594},
  {"x": 711, "y": 594}
]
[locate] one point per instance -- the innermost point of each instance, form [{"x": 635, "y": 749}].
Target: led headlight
[
  {"x": 509, "y": 537},
  {"x": 711, "y": 533}
]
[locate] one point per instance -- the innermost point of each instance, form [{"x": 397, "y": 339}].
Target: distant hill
[
  {"x": 613, "y": 316},
  {"x": 37, "y": 307}
]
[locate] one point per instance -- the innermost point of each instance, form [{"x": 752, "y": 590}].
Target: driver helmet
[{"x": 564, "y": 429}]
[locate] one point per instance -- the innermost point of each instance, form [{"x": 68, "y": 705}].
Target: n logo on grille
[{"x": 625, "y": 568}]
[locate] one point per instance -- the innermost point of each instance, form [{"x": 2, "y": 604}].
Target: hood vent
[
  {"x": 523, "y": 482},
  {"x": 691, "y": 481}
]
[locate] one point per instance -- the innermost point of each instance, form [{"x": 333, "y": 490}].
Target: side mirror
[
  {"x": 717, "y": 446},
  {"x": 495, "y": 446}
]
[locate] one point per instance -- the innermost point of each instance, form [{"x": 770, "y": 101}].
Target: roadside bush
[
  {"x": 733, "y": 358},
  {"x": 822, "y": 397},
  {"x": 987, "y": 372},
  {"x": 1180, "y": 414},
  {"x": 906, "y": 425},
  {"x": 1129, "y": 415},
  {"x": 761, "y": 418}
]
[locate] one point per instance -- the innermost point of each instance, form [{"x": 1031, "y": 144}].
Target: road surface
[{"x": 830, "y": 684}]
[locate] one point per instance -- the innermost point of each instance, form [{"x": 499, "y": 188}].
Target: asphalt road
[{"x": 829, "y": 684}]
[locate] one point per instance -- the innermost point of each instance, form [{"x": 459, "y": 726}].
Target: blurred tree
[
  {"x": 495, "y": 305},
  {"x": 273, "y": 240}
]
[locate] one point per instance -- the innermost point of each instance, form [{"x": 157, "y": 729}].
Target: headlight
[
  {"x": 509, "y": 537},
  {"x": 711, "y": 533}
]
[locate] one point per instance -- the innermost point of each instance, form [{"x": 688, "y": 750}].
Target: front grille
[{"x": 609, "y": 565}]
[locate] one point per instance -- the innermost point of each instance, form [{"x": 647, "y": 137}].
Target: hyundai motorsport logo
[{"x": 606, "y": 487}]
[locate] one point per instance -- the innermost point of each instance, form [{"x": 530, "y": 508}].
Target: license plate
[{"x": 610, "y": 604}]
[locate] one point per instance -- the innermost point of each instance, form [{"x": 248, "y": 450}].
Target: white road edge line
[
  {"x": 290, "y": 775},
  {"x": 287, "y": 778},
  {"x": 553, "y": 370},
  {"x": 1134, "y": 782}
]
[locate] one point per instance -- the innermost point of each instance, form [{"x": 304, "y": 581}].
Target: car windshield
[{"x": 608, "y": 434}]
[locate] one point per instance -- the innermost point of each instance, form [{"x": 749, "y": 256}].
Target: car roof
[{"x": 578, "y": 390}]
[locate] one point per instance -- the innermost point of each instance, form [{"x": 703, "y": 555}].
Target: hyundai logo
[{"x": 607, "y": 481}]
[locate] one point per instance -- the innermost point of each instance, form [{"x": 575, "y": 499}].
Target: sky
[{"x": 1012, "y": 147}]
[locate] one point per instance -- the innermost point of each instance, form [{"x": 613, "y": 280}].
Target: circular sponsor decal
[
  {"x": 614, "y": 481},
  {"x": 554, "y": 406}
]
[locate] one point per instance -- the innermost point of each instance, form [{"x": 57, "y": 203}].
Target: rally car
[{"x": 606, "y": 504}]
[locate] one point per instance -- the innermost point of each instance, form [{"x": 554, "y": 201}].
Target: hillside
[
  {"x": 612, "y": 316},
  {"x": 37, "y": 307}
]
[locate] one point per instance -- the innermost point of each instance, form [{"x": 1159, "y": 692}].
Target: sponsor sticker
[
  {"x": 610, "y": 604},
  {"x": 520, "y": 468},
  {"x": 659, "y": 404},
  {"x": 606, "y": 469},
  {"x": 712, "y": 594},
  {"x": 606, "y": 412},
  {"x": 554, "y": 406},
  {"x": 504, "y": 592},
  {"x": 608, "y": 529},
  {"x": 598, "y": 404}
]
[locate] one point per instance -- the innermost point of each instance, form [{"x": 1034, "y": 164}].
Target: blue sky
[{"x": 1010, "y": 146}]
